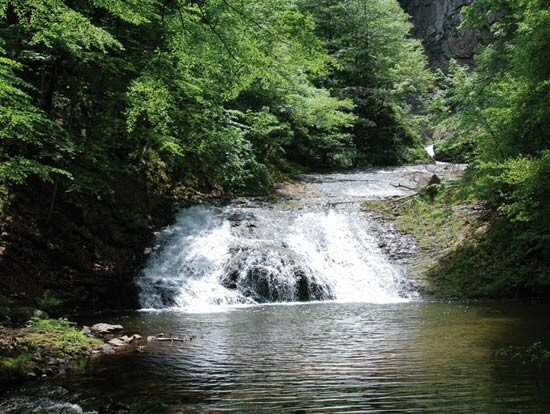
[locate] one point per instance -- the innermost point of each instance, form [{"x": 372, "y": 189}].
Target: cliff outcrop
[{"x": 436, "y": 23}]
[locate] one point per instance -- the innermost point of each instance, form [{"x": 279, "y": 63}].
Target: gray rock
[
  {"x": 105, "y": 328},
  {"x": 40, "y": 314},
  {"x": 116, "y": 342},
  {"x": 127, "y": 339},
  {"x": 107, "y": 349},
  {"x": 436, "y": 25},
  {"x": 22, "y": 314}
]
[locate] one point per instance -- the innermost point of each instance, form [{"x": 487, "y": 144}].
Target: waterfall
[
  {"x": 226, "y": 256},
  {"x": 430, "y": 149},
  {"x": 313, "y": 245}
]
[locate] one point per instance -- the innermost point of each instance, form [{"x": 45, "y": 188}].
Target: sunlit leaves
[
  {"x": 25, "y": 130},
  {"x": 53, "y": 24}
]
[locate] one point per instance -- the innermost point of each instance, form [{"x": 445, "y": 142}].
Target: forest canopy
[{"x": 212, "y": 94}]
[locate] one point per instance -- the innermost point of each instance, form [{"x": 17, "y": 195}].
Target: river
[{"x": 297, "y": 305}]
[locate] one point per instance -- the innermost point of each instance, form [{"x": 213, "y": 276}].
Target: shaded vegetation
[
  {"x": 464, "y": 250},
  {"x": 496, "y": 117},
  {"x": 534, "y": 355}
]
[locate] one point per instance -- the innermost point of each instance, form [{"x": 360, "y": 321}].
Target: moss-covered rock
[{"x": 42, "y": 347}]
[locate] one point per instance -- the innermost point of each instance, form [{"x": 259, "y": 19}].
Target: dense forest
[
  {"x": 497, "y": 117},
  {"x": 114, "y": 110}
]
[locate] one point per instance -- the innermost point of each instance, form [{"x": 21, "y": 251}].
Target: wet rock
[
  {"x": 86, "y": 330},
  {"x": 114, "y": 408},
  {"x": 308, "y": 289},
  {"x": 106, "y": 349},
  {"x": 171, "y": 339},
  {"x": 132, "y": 338},
  {"x": 230, "y": 279},
  {"x": 434, "y": 180},
  {"x": 127, "y": 339},
  {"x": 271, "y": 274},
  {"x": 116, "y": 342},
  {"x": 105, "y": 328},
  {"x": 237, "y": 217}
]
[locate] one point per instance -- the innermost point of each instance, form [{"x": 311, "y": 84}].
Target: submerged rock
[{"x": 114, "y": 408}]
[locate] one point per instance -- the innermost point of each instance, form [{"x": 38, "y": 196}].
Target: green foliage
[
  {"x": 465, "y": 251},
  {"x": 215, "y": 95},
  {"x": 518, "y": 187},
  {"x": 47, "y": 301},
  {"x": 25, "y": 132},
  {"x": 13, "y": 369},
  {"x": 379, "y": 68},
  {"x": 497, "y": 118},
  {"x": 501, "y": 108},
  {"x": 55, "y": 335}
]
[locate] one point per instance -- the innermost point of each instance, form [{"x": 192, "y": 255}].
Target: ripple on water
[{"x": 411, "y": 357}]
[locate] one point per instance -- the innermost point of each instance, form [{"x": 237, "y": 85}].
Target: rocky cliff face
[{"x": 436, "y": 24}]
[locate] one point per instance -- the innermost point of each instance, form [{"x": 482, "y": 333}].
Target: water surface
[{"x": 326, "y": 357}]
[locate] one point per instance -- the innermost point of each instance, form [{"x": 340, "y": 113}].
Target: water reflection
[{"x": 413, "y": 357}]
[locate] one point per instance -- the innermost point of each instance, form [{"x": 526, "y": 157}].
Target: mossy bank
[
  {"x": 42, "y": 348},
  {"x": 465, "y": 250}
]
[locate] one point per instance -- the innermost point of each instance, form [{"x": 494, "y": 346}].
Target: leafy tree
[
  {"x": 497, "y": 117},
  {"x": 380, "y": 67}
]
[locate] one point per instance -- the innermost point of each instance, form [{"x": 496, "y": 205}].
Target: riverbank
[
  {"x": 463, "y": 249},
  {"x": 44, "y": 348}
]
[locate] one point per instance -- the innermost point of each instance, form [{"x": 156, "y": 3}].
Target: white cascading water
[
  {"x": 331, "y": 249},
  {"x": 316, "y": 247}
]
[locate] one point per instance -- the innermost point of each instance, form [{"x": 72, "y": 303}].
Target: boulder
[
  {"x": 131, "y": 338},
  {"x": 22, "y": 314},
  {"x": 114, "y": 408},
  {"x": 434, "y": 180},
  {"x": 116, "y": 342},
  {"x": 105, "y": 328},
  {"x": 127, "y": 339},
  {"x": 106, "y": 349}
]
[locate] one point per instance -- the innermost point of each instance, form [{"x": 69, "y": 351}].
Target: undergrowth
[
  {"x": 465, "y": 248},
  {"x": 57, "y": 336}
]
